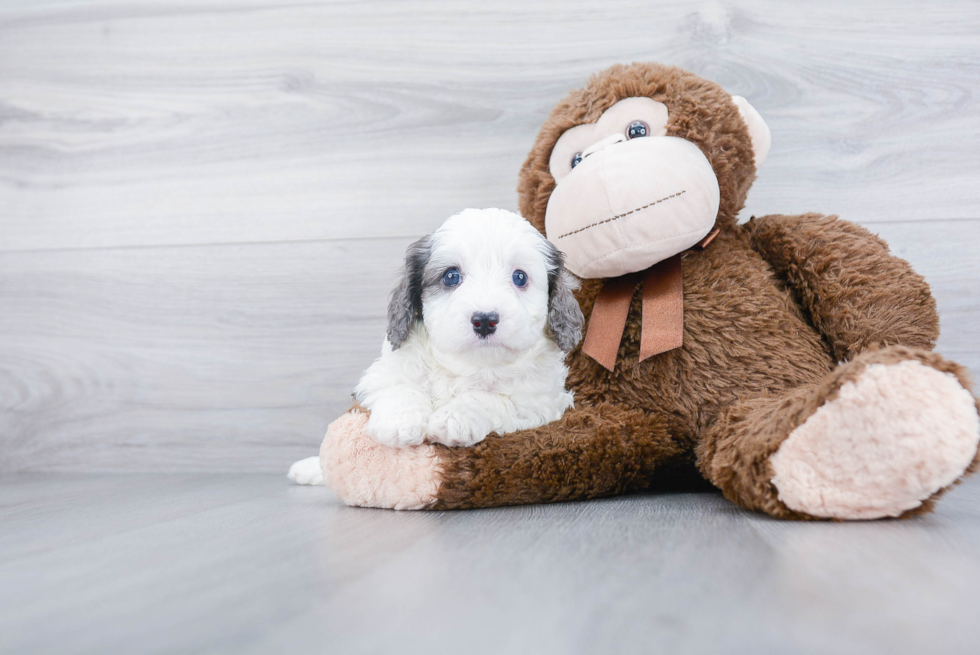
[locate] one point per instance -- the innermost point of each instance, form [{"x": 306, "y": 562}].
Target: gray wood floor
[
  {"x": 243, "y": 563},
  {"x": 202, "y": 205}
]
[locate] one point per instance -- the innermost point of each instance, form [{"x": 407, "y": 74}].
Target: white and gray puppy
[{"x": 478, "y": 329}]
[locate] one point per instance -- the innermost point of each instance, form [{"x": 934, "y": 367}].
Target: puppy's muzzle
[{"x": 484, "y": 323}]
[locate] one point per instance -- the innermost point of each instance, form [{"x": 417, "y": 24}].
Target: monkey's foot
[
  {"x": 889, "y": 440},
  {"x": 364, "y": 473}
]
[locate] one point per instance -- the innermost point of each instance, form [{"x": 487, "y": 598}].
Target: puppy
[{"x": 478, "y": 329}]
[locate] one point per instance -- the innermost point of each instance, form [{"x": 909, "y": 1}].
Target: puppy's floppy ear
[
  {"x": 405, "y": 306},
  {"x": 565, "y": 317}
]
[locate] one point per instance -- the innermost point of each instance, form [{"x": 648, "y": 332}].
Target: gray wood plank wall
[{"x": 202, "y": 206}]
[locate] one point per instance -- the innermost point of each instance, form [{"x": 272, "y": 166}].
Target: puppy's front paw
[
  {"x": 399, "y": 425},
  {"x": 454, "y": 425}
]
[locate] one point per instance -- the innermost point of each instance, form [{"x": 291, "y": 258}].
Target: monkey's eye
[
  {"x": 637, "y": 129},
  {"x": 520, "y": 278},
  {"x": 577, "y": 159},
  {"x": 451, "y": 277}
]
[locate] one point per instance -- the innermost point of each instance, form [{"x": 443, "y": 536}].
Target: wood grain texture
[
  {"x": 202, "y": 206},
  {"x": 168, "y": 358},
  {"x": 136, "y": 123},
  {"x": 249, "y": 564}
]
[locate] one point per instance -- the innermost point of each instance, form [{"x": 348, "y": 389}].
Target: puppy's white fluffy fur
[
  {"x": 438, "y": 379},
  {"x": 445, "y": 383}
]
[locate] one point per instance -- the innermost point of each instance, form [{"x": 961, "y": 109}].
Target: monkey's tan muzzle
[{"x": 629, "y": 205}]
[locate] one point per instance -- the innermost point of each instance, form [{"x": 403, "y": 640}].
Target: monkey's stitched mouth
[{"x": 618, "y": 216}]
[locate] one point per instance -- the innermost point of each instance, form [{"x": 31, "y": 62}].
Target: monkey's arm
[
  {"x": 588, "y": 453},
  {"x": 856, "y": 293}
]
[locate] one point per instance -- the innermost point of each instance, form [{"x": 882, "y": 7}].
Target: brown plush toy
[{"x": 787, "y": 360}]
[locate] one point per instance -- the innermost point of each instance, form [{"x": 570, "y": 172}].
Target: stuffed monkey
[{"x": 787, "y": 361}]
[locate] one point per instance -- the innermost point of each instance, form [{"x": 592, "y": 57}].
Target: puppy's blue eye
[
  {"x": 520, "y": 278},
  {"x": 577, "y": 159},
  {"x": 637, "y": 129},
  {"x": 451, "y": 277}
]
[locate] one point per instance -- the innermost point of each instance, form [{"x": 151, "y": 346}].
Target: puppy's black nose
[{"x": 484, "y": 323}]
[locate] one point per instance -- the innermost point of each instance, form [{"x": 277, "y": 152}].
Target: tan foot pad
[
  {"x": 890, "y": 440},
  {"x": 364, "y": 473}
]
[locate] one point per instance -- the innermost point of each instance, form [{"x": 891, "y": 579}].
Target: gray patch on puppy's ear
[
  {"x": 405, "y": 306},
  {"x": 565, "y": 319}
]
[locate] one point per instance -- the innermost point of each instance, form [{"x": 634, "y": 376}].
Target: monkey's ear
[
  {"x": 758, "y": 130},
  {"x": 565, "y": 317},
  {"x": 405, "y": 306}
]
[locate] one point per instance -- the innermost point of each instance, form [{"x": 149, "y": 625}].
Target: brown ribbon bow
[{"x": 662, "y": 326}]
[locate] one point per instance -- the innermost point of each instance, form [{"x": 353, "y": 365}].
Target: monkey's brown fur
[{"x": 778, "y": 314}]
